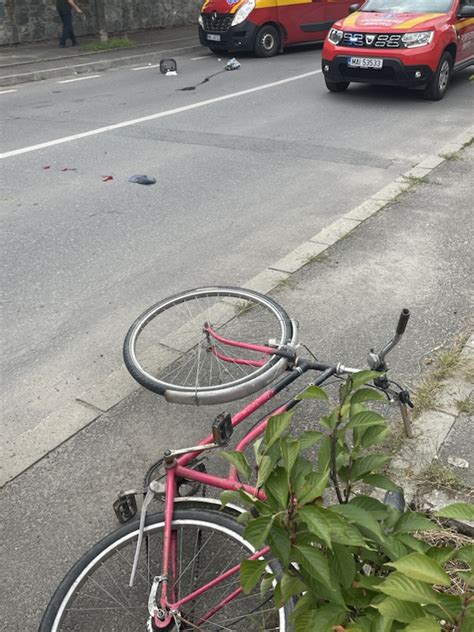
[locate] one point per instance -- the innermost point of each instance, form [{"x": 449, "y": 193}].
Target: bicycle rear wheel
[
  {"x": 95, "y": 594},
  {"x": 169, "y": 350}
]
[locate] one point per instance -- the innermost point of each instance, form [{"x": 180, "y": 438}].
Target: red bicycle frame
[{"x": 176, "y": 467}]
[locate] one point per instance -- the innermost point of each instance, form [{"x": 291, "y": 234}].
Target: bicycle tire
[
  {"x": 174, "y": 359},
  {"x": 88, "y": 582}
]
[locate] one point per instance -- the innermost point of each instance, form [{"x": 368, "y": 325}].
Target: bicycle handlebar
[{"x": 402, "y": 321}]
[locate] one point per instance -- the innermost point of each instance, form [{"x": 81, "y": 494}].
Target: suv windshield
[{"x": 407, "y": 6}]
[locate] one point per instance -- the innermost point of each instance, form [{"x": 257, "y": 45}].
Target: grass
[
  {"x": 425, "y": 394},
  {"x": 466, "y": 405},
  {"x": 114, "y": 42},
  {"x": 414, "y": 180},
  {"x": 454, "y": 155},
  {"x": 443, "y": 477},
  {"x": 469, "y": 142}
]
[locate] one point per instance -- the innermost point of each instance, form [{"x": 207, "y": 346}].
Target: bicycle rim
[
  {"x": 169, "y": 351},
  {"x": 96, "y": 595}
]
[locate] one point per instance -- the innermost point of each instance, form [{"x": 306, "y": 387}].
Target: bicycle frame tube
[{"x": 177, "y": 469}]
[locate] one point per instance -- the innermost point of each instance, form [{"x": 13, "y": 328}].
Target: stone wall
[{"x": 37, "y": 20}]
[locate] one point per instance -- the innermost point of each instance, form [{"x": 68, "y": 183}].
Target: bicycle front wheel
[
  {"x": 95, "y": 594},
  {"x": 169, "y": 348}
]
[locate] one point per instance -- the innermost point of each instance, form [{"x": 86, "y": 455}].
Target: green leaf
[
  {"x": 374, "y": 506},
  {"x": 257, "y": 530},
  {"x": 421, "y": 567},
  {"x": 381, "y": 624},
  {"x": 276, "y": 488},
  {"x": 363, "y": 519},
  {"x": 342, "y": 565},
  {"x": 381, "y": 481},
  {"x": 315, "y": 519},
  {"x": 448, "y": 607},
  {"x": 440, "y": 554},
  {"x": 363, "y": 377},
  {"x": 457, "y": 511},
  {"x": 299, "y": 472},
  {"x": 414, "y": 544},
  {"x": 413, "y": 521},
  {"x": 305, "y": 620},
  {"x": 342, "y": 532},
  {"x": 406, "y": 589},
  {"x": 324, "y": 455},
  {"x": 250, "y": 573},
  {"x": 309, "y": 438},
  {"x": 239, "y": 497},
  {"x": 265, "y": 468},
  {"x": 239, "y": 461},
  {"x": 399, "y": 610},
  {"x": 393, "y": 548},
  {"x": 329, "y": 421},
  {"x": 367, "y": 464},
  {"x": 367, "y": 395},
  {"x": 314, "y": 567},
  {"x": 314, "y": 486},
  {"x": 289, "y": 587},
  {"x": 374, "y": 435},
  {"x": 324, "y": 618},
  {"x": 267, "y": 583},
  {"x": 365, "y": 419},
  {"x": 313, "y": 392},
  {"x": 289, "y": 452},
  {"x": 278, "y": 540},
  {"x": 466, "y": 554},
  {"x": 276, "y": 427},
  {"x": 423, "y": 624}
]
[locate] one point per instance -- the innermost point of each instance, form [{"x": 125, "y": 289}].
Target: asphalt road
[
  {"x": 247, "y": 165},
  {"x": 240, "y": 182}
]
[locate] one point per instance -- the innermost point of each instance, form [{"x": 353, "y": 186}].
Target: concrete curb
[
  {"x": 94, "y": 66},
  {"x": 431, "y": 430},
  {"x": 118, "y": 385}
]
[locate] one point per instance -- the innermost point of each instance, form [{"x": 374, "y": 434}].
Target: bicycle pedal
[{"x": 125, "y": 507}]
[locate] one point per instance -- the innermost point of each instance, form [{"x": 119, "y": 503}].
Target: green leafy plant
[{"x": 357, "y": 564}]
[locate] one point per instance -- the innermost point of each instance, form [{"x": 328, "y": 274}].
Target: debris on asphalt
[
  {"x": 171, "y": 73},
  {"x": 107, "y": 178},
  {"x": 168, "y": 67},
  {"x": 69, "y": 169},
  {"x": 46, "y": 167},
  {"x": 457, "y": 461},
  {"x": 232, "y": 64},
  {"x": 142, "y": 179}
]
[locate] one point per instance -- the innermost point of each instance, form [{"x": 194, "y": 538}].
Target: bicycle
[{"x": 178, "y": 570}]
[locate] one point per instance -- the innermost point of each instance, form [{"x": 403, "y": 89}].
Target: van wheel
[
  {"x": 438, "y": 85},
  {"x": 336, "y": 86},
  {"x": 267, "y": 42}
]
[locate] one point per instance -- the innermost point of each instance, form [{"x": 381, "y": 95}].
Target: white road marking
[
  {"x": 202, "y": 57},
  {"x": 7, "y": 91},
  {"x": 79, "y": 79},
  {"x": 147, "y": 67},
  {"x": 158, "y": 115}
]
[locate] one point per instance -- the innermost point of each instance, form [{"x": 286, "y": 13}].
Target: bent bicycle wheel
[
  {"x": 183, "y": 347},
  {"x": 95, "y": 595}
]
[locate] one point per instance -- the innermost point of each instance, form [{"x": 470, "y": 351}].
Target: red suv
[{"x": 411, "y": 43}]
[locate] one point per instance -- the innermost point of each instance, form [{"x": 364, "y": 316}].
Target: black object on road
[
  {"x": 142, "y": 179},
  {"x": 168, "y": 65}
]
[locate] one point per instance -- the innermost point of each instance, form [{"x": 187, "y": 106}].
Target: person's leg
[
  {"x": 64, "y": 34},
  {"x": 67, "y": 19},
  {"x": 71, "y": 32}
]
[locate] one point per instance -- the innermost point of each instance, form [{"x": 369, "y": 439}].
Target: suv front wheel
[{"x": 436, "y": 89}]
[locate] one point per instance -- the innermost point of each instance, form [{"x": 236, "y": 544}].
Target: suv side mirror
[
  {"x": 467, "y": 11},
  {"x": 353, "y": 8}
]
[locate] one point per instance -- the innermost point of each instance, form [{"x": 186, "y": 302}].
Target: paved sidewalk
[{"x": 22, "y": 63}]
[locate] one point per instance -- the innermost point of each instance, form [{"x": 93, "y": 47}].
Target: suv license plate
[
  {"x": 365, "y": 62},
  {"x": 213, "y": 38}
]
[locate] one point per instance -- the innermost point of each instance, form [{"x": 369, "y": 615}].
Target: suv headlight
[
  {"x": 200, "y": 20},
  {"x": 335, "y": 36},
  {"x": 244, "y": 12},
  {"x": 417, "y": 39}
]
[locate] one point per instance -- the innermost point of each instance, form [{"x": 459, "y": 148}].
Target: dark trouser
[{"x": 67, "y": 33}]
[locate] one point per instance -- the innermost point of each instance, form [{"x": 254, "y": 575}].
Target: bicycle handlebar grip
[{"x": 402, "y": 321}]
